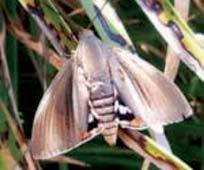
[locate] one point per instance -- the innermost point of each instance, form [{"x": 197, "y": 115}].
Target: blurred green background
[{"x": 186, "y": 138}]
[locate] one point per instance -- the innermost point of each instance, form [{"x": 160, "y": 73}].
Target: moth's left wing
[
  {"x": 57, "y": 127},
  {"x": 146, "y": 91}
]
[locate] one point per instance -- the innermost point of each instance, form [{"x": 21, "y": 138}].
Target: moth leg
[
  {"x": 93, "y": 112},
  {"x": 93, "y": 132},
  {"x": 88, "y": 85},
  {"x": 116, "y": 106},
  {"x": 115, "y": 92},
  {"x": 135, "y": 124},
  {"x": 90, "y": 118}
]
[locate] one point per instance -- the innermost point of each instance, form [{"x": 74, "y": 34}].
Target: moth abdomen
[
  {"x": 110, "y": 129},
  {"x": 104, "y": 111},
  {"x": 108, "y": 101},
  {"x": 102, "y": 102},
  {"x": 110, "y": 132}
]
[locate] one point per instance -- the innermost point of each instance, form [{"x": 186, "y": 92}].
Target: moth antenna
[{"x": 93, "y": 112}]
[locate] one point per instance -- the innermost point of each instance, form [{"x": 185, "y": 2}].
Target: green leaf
[{"x": 176, "y": 32}]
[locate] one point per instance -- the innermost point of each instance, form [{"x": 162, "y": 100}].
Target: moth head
[{"x": 85, "y": 34}]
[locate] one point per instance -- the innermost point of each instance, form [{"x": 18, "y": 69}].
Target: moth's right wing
[
  {"x": 146, "y": 91},
  {"x": 58, "y": 128}
]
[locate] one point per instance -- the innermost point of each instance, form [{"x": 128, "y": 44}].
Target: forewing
[
  {"x": 80, "y": 94},
  {"x": 56, "y": 128},
  {"x": 146, "y": 90}
]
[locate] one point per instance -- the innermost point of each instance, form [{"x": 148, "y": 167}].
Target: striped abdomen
[{"x": 102, "y": 99}]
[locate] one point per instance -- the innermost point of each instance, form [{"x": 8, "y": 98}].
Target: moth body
[{"x": 101, "y": 89}]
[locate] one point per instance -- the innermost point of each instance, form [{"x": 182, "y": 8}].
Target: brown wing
[
  {"x": 146, "y": 90},
  {"x": 56, "y": 127}
]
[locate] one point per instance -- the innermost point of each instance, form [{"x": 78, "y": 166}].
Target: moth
[{"x": 98, "y": 91}]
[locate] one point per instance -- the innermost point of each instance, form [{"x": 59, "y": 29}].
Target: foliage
[{"x": 30, "y": 75}]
